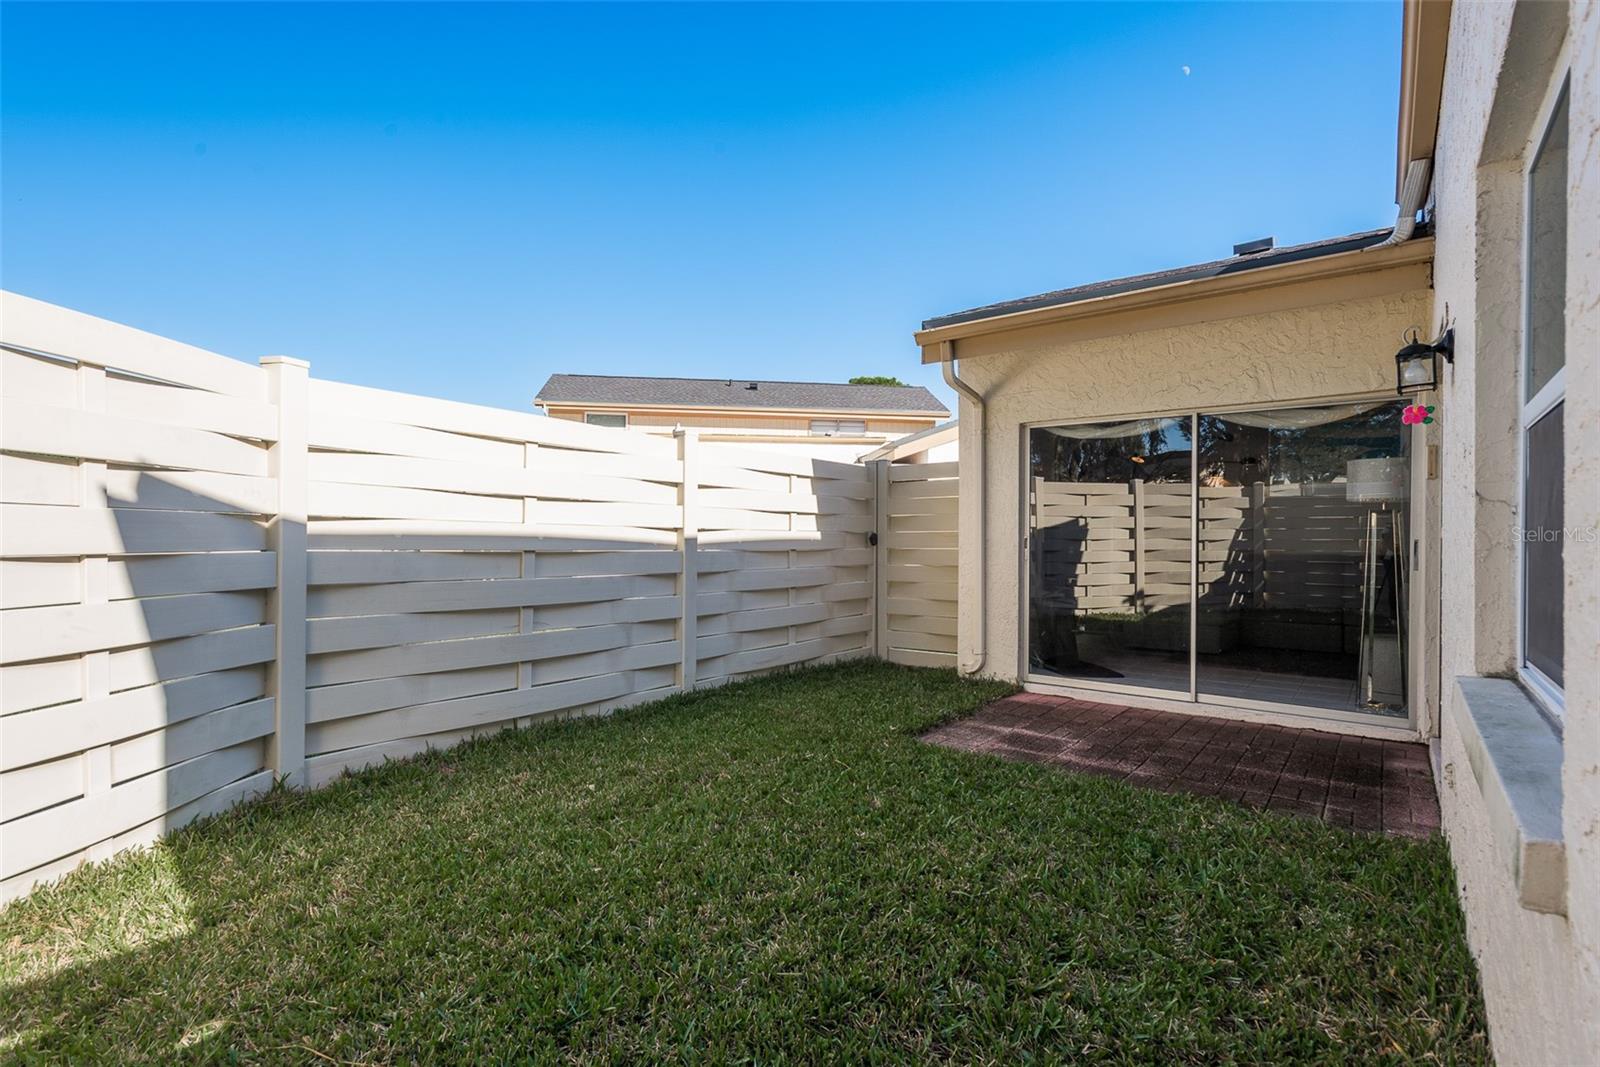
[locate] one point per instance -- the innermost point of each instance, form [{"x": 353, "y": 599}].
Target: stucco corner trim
[{"x": 1516, "y": 759}]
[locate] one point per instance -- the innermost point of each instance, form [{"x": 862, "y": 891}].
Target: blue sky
[{"x": 459, "y": 200}]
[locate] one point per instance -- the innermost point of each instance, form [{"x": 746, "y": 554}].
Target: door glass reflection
[
  {"x": 1302, "y": 551},
  {"x": 1109, "y": 552}
]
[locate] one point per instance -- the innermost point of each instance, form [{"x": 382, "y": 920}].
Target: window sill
[{"x": 1516, "y": 759}]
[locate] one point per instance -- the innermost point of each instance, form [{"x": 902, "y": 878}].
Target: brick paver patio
[{"x": 1357, "y": 782}]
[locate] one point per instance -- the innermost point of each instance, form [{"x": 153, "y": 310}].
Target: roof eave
[
  {"x": 743, "y": 409},
  {"x": 1416, "y": 251},
  {"x": 1425, "y": 32}
]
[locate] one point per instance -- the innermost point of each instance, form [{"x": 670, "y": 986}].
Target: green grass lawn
[{"x": 771, "y": 871}]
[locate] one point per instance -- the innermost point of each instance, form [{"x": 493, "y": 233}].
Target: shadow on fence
[{"x": 412, "y": 640}]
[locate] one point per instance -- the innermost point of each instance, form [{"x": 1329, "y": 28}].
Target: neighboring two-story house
[{"x": 818, "y": 418}]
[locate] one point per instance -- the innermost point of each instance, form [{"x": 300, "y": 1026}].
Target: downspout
[
  {"x": 947, "y": 363},
  {"x": 1413, "y": 196}
]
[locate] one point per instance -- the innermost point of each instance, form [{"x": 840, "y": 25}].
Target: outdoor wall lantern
[{"x": 1417, "y": 364}]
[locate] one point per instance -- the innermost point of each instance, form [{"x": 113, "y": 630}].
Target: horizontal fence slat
[
  {"x": 377, "y": 631},
  {"x": 192, "y": 737},
  {"x": 368, "y": 567},
  {"x": 205, "y": 572},
  {"x": 330, "y": 428},
  {"x": 41, "y": 633},
  {"x": 37, "y": 326},
  {"x": 464, "y": 595},
  {"x": 922, "y": 472},
  {"x": 911, "y": 657},
  {"x": 61, "y": 431},
  {"x": 168, "y": 490},
  {"x": 38, "y": 838},
  {"x": 625, "y": 483},
  {"x": 328, "y": 702},
  {"x": 189, "y": 656},
  {"x": 403, "y": 534},
  {"x": 333, "y": 500},
  {"x": 367, "y": 664},
  {"x": 46, "y": 733},
  {"x": 38, "y": 480},
  {"x": 38, "y": 531},
  {"x": 195, "y": 409}
]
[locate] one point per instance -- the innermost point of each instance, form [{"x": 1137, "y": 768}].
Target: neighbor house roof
[
  {"x": 735, "y": 393},
  {"x": 1232, "y": 265}
]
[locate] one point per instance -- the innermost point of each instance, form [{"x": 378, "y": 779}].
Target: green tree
[{"x": 876, "y": 379}]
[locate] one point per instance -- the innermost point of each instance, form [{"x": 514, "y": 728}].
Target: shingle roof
[
  {"x": 736, "y": 393},
  {"x": 1232, "y": 265}
]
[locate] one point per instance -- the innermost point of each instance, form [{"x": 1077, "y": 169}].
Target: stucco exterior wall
[
  {"x": 1540, "y": 972},
  {"x": 752, "y": 421},
  {"x": 790, "y": 434},
  {"x": 1299, "y": 355}
]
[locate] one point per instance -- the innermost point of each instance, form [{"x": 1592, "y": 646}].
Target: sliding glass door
[
  {"x": 1248, "y": 557},
  {"x": 1109, "y": 552},
  {"x": 1302, "y": 557}
]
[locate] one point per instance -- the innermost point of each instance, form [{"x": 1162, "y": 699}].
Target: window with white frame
[
  {"x": 606, "y": 418},
  {"x": 1544, "y": 359},
  {"x": 838, "y": 427}
]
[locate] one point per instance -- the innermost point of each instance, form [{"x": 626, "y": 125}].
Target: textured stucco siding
[
  {"x": 1300, "y": 355},
  {"x": 1540, "y": 973}
]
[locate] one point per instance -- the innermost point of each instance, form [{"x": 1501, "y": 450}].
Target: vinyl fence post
[
  {"x": 527, "y": 567},
  {"x": 688, "y": 547},
  {"x": 95, "y": 575},
  {"x": 880, "y": 559},
  {"x": 288, "y": 389}
]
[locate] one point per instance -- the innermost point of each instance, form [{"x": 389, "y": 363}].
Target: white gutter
[
  {"x": 1413, "y": 196},
  {"x": 975, "y": 656}
]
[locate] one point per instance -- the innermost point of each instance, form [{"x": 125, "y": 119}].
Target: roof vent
[{"x": 1264, "y": 244}]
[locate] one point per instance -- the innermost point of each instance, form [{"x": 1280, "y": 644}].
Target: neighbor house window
[
  {"x": 1543, "y": 394},
  {"x": 600, "y": 418},
  {"x": 838, "y": 427}
]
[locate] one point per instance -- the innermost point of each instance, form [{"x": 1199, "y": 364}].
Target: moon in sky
[{"x": 1185, "y": 70}]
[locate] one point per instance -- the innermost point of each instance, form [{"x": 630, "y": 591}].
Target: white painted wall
[{"x": 1540, "y": 972}]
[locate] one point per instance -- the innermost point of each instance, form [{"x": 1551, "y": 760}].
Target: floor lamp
[{"x": 1381, "y": 484}]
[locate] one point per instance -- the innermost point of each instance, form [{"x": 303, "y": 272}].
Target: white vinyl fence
[
  {"x": 917, "y": 551},
  {"x": 213, "y": 574}
]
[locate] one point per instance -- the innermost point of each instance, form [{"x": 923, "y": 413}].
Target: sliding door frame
[{"x": 1210, "y": 702}]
